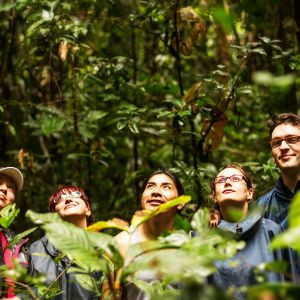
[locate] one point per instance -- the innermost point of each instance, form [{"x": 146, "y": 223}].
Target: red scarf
[{"x": 7, "y": 255}]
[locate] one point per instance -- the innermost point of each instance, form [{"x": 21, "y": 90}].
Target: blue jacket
[
  {"x": 275, "y": 204},
  {"x": 238, "y": 271}
]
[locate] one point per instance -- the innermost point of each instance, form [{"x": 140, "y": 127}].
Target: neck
[
  {"x": 154, "y": 227},
  {"x": 234, "y": 213},
  {"x": 77, "y": 221},
  {"x": 290, "y": 179}
]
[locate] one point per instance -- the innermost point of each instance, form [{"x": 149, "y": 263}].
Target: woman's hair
[
  {"x": 215, "y": 209},
  {"x": 248, "y": 177},
  {"x": 173, "y": 176},
  {"x": 286, "y": 118},
  {"x": 66, "y": 190}
]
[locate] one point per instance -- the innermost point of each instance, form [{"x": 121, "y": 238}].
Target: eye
[
  {"x": 292, "y": 140},
  {"x": 11, "y": 187},
  {"x": 167, "y": 187},
  {"x": 235, "y": 178},
  {"x": 76, "y": 194},
  {"x": 149, "y": 186}
]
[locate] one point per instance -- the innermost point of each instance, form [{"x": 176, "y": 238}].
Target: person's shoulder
[
  {"x": 38, "y": 243},
  {"x": 265, "y": 197},
  {"x": 123, "y": 240},
  {"x": 271, "y": 225}
]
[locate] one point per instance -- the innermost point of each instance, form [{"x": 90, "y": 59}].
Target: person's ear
[
  {"x": 214, "y": 198},
  {"x": 250, "y": 193}
]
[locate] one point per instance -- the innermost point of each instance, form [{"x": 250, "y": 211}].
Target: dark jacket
[
  {"x": 45, "y": 260},
  {"x": 275, "y": 204},
  {"x": 17, "y": 251},
  {"x": 238, "y": 271}
]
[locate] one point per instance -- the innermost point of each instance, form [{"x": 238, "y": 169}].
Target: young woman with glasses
[
  {"x": 232, "y": 193},
  {"x": 72, "y": 205}
]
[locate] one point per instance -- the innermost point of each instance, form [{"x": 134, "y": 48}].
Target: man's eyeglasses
[
  {"x": 73, "y": 194},
  {"x": 290, "y": 140},
  {"x": 232, "y": 178}
]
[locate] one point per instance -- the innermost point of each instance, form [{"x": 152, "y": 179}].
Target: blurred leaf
[
  {"x": 52, "y": 124},
  {"x": 294, "y": 211},
  {"x": 223, "y": 18},
  {"x": 7, "y": 6},
  {"x": 8, "y": 214}
]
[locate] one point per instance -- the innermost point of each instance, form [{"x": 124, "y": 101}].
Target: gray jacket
[{"x": 45, "y": 259}]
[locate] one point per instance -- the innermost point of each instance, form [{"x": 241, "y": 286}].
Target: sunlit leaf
[
  {"x": 115, "y": 223},
  {"x": 142, "y": 216},
  {"x": 8, "y": 214}
]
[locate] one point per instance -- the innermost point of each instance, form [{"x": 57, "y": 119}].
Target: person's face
[
  {"x": 232, "y": 190},
  {"x": 159, "y": 189},
  {"x": 72, "y": 205},
  {"x": 286, "y": 156},
  {"x": 7, "y": 191}
]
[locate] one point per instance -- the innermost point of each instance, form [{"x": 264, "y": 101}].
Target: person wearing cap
[
  {"x": 11, "y": 182},
  {"x": 72, "y": 205}
]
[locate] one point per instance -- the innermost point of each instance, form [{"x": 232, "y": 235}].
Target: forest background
[{"x": 97, "y": 93}]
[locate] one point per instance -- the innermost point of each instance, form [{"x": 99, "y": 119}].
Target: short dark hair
[
  {"x": 285, "y": 118},
  {"x": 172, "y": 175},
  {"x": 67, "y": 189}
]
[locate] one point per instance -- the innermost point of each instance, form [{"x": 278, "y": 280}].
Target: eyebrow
[{"x": 163, "y": 183}]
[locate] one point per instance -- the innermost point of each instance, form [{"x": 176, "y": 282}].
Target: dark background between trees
[{"x": 96, "y": 93}]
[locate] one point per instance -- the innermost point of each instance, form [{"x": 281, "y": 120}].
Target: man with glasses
[
  {"x": 72, "y": 205},
  {"x": 284, "y": 132},
  {"x": 11, "y": 182}
]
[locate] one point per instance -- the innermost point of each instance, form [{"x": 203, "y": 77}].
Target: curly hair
[{"x": 285, "y": 118}]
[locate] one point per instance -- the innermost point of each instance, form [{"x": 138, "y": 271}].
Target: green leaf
[
  {"x": 290, "y": 238},
  {"x": 294, "y": 212},
  {"x": 7, "y": 215},
  {"x": 133, "y": 127},
  {"x": 22, "y": 235},
  {"x": 52, "y": 124},
  {"x": 223, "y": 18},
  {"x": 98, "y": 226},
  {"x": 74, "y": 242},
  {"x": 44, "y": 218},
  {"x": 143, "y": 216},
  {"x": 7, "y": 6},
  {"x": 12, "y": 129}
]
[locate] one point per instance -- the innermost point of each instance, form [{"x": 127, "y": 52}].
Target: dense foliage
[{"x": 95, "y": 93}]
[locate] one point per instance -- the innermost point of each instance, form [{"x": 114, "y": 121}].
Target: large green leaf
[
  {"x": 145, "y": 215},
  {"x": 8, "y": 214},
  {"x": 294, "y": 211}
]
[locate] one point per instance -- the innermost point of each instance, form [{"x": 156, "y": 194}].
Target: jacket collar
[
  {"x": 283, "y": 192},
  {"x": 244, "y": 229}
]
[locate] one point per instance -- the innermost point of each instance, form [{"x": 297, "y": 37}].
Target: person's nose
[
  {"x": 227, "y": 182},
  {"x": 68, "y": 199},
  {"x": 284, "y": 145},
  {"x": 156, "y": 192}
]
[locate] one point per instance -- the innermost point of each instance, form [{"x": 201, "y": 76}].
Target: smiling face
[
  {"x": 159, "y": 189},
  {"x": 287, "y": 157},
  {"x": 232, "y": 193},
  {"x": 7, "y": 191},
  {"x": 70, "y": 206}
]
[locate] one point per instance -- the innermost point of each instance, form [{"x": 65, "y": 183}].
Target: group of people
[{"x": 232, "y": 193}]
